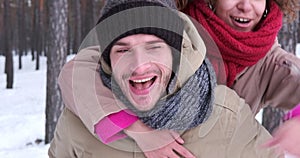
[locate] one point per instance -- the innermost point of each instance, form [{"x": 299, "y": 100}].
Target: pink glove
[
  {"x": 287, "y": 135},
  {"x": 110, "y": 128},
  {"x": 295, "y": 112}
]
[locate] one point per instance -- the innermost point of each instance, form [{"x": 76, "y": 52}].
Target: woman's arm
[
  {"x": 111, "y": 128},
  {"x": 157, "y": 143},
  {"x": 287, "y": 135},
  {"x": 274, "y": 80},
  {"x": 82, "y": 90}
]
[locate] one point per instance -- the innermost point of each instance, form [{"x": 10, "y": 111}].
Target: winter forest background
[{"x": 36, "y": 39}]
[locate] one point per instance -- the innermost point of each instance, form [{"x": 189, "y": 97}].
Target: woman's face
[{"x": 242, "y": 15}]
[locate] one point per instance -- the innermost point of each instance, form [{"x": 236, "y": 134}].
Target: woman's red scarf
[{"x": 239, "y": 49}]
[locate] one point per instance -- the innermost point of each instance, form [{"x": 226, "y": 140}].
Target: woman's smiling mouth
[
  {"x": 241, "y": 20},
  {"x": 242, "y": 24}
]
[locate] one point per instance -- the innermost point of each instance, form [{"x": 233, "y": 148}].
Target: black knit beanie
[{"x": 121, "y": 18}]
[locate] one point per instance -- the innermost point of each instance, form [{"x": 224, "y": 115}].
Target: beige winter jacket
[
  {"x": 274, "y": 80},
  {"x": 230, "y": 132}
]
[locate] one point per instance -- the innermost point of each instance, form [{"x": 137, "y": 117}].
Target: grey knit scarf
[{"x": 184, "y": 109}]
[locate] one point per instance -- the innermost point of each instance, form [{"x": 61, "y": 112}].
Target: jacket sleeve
[
  {"x": 249, "y": 136},
  {"x": 274, "y": 80},
  {"x": 82, "y": 89},
  {"x": 244, "y": 133},
  {"x": 284, "y": 88}
]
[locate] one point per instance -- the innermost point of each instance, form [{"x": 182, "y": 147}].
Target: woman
[
  {"x": 255, "y": 65},
  {"x": 246, "y": 35}
]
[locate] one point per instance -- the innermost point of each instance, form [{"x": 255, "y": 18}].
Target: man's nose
[{"x": 141, "y": 61}]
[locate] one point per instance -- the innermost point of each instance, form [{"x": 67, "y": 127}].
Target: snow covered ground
[
  {"x": 298, "y": 50},
  {"x": 22, "y": 111}
]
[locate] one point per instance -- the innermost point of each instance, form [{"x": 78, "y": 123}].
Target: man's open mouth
[{"x": 142, "y": 84}]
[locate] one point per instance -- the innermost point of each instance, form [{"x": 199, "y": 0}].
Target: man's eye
[
  {"x": 122, "y": 50},
  {"x": 154, "y": 47}
]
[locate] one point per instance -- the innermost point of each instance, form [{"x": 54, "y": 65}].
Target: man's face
[{"x": 142, "y": 67}]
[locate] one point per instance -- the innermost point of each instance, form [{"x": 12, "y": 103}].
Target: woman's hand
[
  {"x": 287, "y": 137},
  {"x": 158, "y": 143}
]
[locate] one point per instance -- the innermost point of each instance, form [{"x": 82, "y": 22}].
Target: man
[{"x": 153, "y": 62}]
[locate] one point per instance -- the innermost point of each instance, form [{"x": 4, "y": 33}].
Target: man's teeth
[
  {"x": 142, "y": 80},
  {"x": 241, "y": 19}
]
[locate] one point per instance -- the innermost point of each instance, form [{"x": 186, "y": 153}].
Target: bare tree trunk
[
  {"x": 70, "y": 27},
  {"x": 288, "y": 38},
  {"x": 1, "y": 28},
  {"x": 38, "y": 35},
  {"x": 20, "y": 60},
  {"x": 37, "y": 62},
  {"x": 272, "y": 118},
  {"x": 34, "y": 28},
  {"x": 38, "y": 42},
  {"x": 56, "y": 57},
  {"x": 26, "y": 29},
  {"x": 78, "y": 25},
  {"x": 87, "y": 14},
  {"x": 9, "y": 67},
  {"x": 21, "y": 32},
  {"x": 298, "y": 29},
  {"x": 46, "y": 28}
]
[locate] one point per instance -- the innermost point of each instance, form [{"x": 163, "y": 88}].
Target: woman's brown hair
[
  {"x": 289, "y": 8},
  {"x": 181, "y": 4}
]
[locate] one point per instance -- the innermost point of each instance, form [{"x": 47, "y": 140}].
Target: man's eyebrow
[
  {"x": 156, "y": 41},
  {"x": 149, "y": 42},
  {"x": 121, "y": 44}
]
